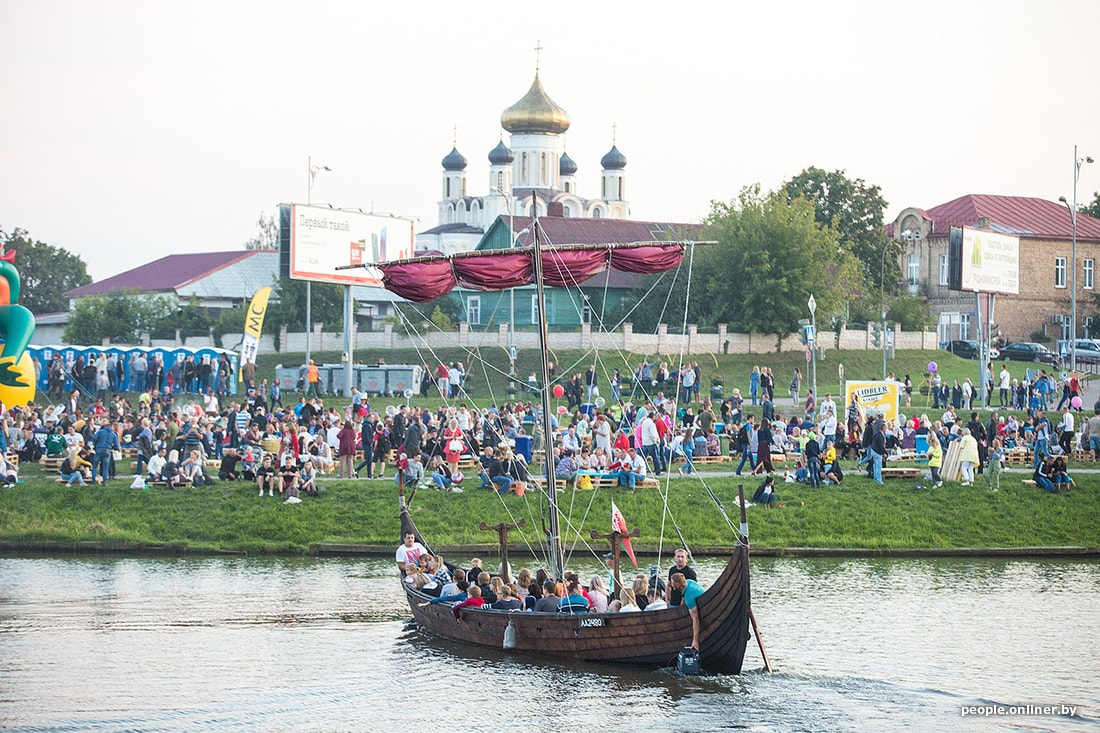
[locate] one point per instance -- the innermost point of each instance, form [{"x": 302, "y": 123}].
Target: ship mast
[{"x": 557, "y": 562}]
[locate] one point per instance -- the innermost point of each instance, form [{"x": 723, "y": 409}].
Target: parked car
[
  {"x": 1088, "y": 351},
  {"x": 1029, "y": 351},
  {"x": 970, "y": 349}
]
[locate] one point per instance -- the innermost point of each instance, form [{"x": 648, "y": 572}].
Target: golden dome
[{"x": 536, "y": 113}]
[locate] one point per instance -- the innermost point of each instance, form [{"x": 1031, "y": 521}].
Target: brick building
[{"x": 1045, "y": 232}]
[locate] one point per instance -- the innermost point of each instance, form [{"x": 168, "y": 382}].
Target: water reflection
[{"x": 320, "y": 644}]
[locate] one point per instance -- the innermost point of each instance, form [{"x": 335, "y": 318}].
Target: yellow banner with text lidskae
[{"x": 878, "y": 397}]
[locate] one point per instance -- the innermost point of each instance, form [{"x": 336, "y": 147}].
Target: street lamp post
[
  {"x": 882, "y": 298},
  {"x": 1077, "y": 163},
  {"x": 812, "y": 305},
  {"x": 313, "y": 171}
]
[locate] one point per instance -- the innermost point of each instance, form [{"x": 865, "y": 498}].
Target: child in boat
[{"x": 474, "y": 600}]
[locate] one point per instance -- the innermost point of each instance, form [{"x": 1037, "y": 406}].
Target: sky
[{"x": 133, "y": 130}]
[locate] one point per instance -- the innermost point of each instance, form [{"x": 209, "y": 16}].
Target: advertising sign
[
  {"x": 990, "y": 262},
  {"x": 876, "y": 397},
  {"x": 322, "y": 239}
]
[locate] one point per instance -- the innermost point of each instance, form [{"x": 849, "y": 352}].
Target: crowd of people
[{"x": 186, "y": 434}]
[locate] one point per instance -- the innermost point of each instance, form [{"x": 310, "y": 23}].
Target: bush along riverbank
[{"x": 39, "y": 514}]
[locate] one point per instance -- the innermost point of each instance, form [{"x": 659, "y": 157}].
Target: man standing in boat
[
  {"x": 408, "y": 554},
  {"x": 680, "y": 560}
]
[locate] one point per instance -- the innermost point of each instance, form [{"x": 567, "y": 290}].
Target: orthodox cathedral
[{"x": 535, "y": 165}]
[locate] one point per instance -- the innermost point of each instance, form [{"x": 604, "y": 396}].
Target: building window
[
  {"x": 473, "y": 309},
  {"x": 1087, "y": 272},
  {"x": 944, "y": 269},
  {"x": 586, "y": 312},
  {"x": 500, "y": 181},
  {"x": 523, "y": 168},
  {"x": 1087, "y": 327},
  {"x": 603, "y": 189},
  {"x": 447, "y": 189},
  {"x": 914, "y": 273},
  {"x": 1059, "y": 272},
  {"x": 622, "y": 188},
  {"x": 1064, "y": 326},
  {"x": 534, "y": 310},
  {"x": 543, "y": 169},
  {"x": 565, "y": 211},
  {"x": 596, "y": 213},
  {"x": 964, "y": 326}
]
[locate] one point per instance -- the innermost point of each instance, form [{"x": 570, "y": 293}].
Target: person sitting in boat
[
  {"x": 452, "y": 587},
  {"x": 573, "y": 602},
  {"x": 408, "y": 554},
  {"x": 628, "y": 603},
  {"x": 484, "y": 582},
  {"x": 597, "y": 595},
  {"x": 426, "y": 584},
  {"x": 437, "y": 566},
  {"x": 641, "y": 591},
  {"x": 549, "y": 601},
  {"x": 690, "y": 590},
  {"x": 507, "y": 600},
  {"x": 458, "y": 596},
  {"x": 655, "y": 602},
  {"x": 679, "y": 565},
  {"x": 633, "y": 470},
  {"x": 473, "y": 600}
]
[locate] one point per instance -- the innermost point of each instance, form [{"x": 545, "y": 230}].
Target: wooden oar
[
  {"x": 752, "y": 616},
  {"x": 760, "y": 640}
]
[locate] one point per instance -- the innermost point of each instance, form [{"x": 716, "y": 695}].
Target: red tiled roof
[
  {"x": 1016, "y": 215},
  {"x": 166, "y": 274}
]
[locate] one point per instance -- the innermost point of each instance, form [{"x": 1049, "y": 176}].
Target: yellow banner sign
[
  {"x": 254, "y": 326},
  {"x": 875, "y": 397}
]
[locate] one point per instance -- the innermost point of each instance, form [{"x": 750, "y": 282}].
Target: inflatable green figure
[{"x": 16, "y": 328}]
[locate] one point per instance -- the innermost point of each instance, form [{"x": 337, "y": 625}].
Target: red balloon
[{"x": 558, "y": 390}]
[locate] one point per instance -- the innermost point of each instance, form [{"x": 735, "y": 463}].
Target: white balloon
[
  {"x": 600, "y": 402},
  {"x": 408, "y": 392},
  {"x": 390, "y": 410}
]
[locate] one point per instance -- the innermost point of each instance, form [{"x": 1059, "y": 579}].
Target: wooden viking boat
[{"x": 645, "y": 638}]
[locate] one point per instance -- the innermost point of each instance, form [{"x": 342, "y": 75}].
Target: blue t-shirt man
[{"x": 692, "y": 592}]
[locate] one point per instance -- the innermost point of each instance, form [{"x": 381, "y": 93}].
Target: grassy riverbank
[{"x": 40, "y": 514}]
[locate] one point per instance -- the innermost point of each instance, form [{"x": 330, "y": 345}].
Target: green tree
[
  {"x": 441, "y": 314},
  {"x": 46, "y": 272},
  {"x": 1093, "y": 209},
  {"x": 267, "y": 235},
  {"x": 772, "y": 255},
  {"x": 121, "y": 316},
  {"x": 856, "y": 211},
  {"x": 288, "y": 305},
  {"x": 191, "y": 320},
  {"x": 911, "y": 312}
]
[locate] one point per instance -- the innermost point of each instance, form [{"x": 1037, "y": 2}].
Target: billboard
[
  {"x": 984, "y": 261},
  {"x": 877, "y": 397},
  {"x": 315, "y": 240}
]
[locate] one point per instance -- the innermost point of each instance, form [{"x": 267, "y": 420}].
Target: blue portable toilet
[{"x": 524, "y": 446}]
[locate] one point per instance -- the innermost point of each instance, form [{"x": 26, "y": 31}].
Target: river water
[{"x": 260, "y": 644}]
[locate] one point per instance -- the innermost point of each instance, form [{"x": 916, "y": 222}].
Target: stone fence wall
[{"x": 665, "y": 341}]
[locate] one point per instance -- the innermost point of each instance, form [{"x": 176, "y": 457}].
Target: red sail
[{"x": 428, "y": 278}]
